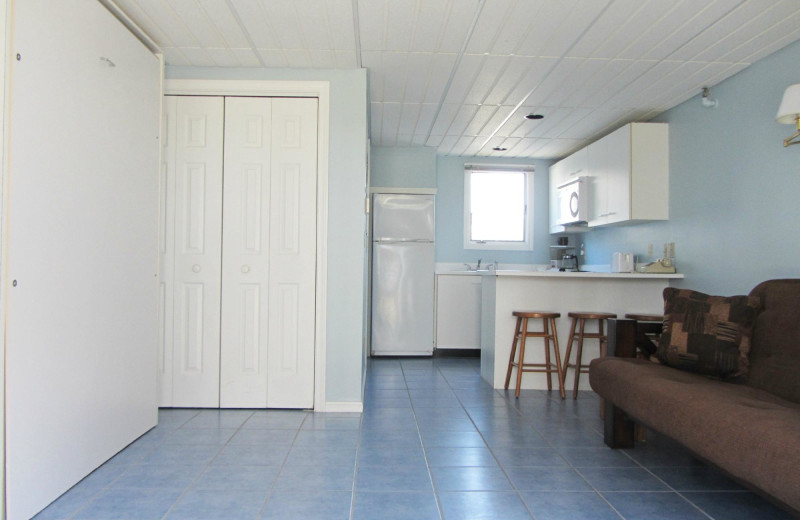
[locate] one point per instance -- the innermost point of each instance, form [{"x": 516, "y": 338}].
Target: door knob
[
  {"x": 196, "y": 268},
  {"x": 245, "y": 268}
]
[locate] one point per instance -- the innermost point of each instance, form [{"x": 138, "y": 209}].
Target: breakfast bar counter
[{"x": 503, "y": 292}]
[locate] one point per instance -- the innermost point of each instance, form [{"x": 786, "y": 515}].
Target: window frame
[{"x": 499, "y": 245}]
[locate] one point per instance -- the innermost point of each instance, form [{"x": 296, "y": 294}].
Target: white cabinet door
[
  {"x": 197, "y": 251},
  {"x": 557, "y": 174},
  {"x": 598, "y": 182},
  {"x": 292, "y": 260},
  {"x": 245, "y": 253},
  {"x": 458, "y": 311},
  {"x": 617, "y": 164}
]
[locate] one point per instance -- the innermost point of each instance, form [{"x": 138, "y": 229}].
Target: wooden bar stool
[
  {"x": 579, "y": 322},
  {"x": 521, "y": 333}
]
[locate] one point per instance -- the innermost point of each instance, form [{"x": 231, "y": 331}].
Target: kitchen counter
[
  {"x": 563, "y": 274},
  {"x": 505, "y": 291}
]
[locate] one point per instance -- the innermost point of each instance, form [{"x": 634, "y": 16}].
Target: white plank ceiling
[{"x": 460, "y": 75}]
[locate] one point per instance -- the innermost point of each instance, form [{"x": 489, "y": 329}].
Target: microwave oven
[{"x": 573, "y": 207}]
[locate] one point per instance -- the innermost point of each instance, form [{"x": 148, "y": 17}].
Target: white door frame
[{"x": 321, "y": 91}]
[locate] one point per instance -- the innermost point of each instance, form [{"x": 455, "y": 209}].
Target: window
[{"x": 498, "y": 208}]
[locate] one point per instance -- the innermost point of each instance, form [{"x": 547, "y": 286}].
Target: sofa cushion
[
  {"x": 707, "y": 334},
  {"x": 750, "y": 433},
  {"x": 775, "y": 355}
]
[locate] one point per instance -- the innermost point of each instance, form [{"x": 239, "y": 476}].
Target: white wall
[
  {"x": 81, "y": 242},
  {"x": 347, "y": 181}
]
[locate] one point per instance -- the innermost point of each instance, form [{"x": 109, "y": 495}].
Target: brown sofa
[{"x": 750, "y": 430}]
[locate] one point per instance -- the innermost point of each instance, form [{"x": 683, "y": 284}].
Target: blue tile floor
[{"x": 434, "y": 442}]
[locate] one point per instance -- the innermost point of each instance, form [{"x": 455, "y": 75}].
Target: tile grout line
[
  {"x": 488, "y": 447},
  {"x": 108, "y": 485},
  {"x": 422, "y": 444},
  {"x": 204, "y": 468},
  {"x": 282, "y": 466},
  {"x": 355, "y": 466}
]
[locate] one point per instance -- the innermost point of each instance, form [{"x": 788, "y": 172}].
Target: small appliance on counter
[
  {"x": 664, "y": 265},
  {"x": 660, "y": 266},
  {"x": 569, "y": 262},
  {"x": 622, "y": 263},
  {"x": 561, "y": 257}
]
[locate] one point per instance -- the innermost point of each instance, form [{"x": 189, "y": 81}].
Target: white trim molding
[
  {"x": 321, "y": 91},
  {"x": 343, "y": 407}
]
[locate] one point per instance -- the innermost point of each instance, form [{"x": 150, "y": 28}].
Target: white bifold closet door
[
  {"x": 244, "y": 321},
  {"x": 194, "y": 153},
  {"x": 269, "y": 253}
]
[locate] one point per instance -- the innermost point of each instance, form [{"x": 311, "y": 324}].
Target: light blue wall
[
  {"x": 346, "y": 222},
  {"x": 734, "y": 188},
  {"x": 450, "y": 214},
  {"x": 404, "y": 166}
]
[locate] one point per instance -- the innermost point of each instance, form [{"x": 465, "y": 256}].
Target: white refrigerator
[{"x": 402, "y": 274}]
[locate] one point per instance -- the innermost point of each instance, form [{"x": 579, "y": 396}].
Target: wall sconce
[{"x": 789, "y": 112}]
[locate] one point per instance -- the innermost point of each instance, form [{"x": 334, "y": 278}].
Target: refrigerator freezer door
[
  {"x": 402, "y": 298},
  {"x": 402, "y": 217}
]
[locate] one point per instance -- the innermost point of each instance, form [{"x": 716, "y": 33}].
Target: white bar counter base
[{"x": 503, "y": 292}]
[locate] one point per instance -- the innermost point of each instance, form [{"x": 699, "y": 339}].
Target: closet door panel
[
  {"x": 245, "y": 244},
  {"x": 292, "y": 258},
  {"x": 197, "y": 251},
  {"x": 166, "y": 241}
]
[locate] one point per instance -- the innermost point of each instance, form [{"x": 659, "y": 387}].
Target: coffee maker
[{"x": 569, "y": 262}]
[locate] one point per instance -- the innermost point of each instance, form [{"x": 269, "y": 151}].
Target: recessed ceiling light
[
  {"x": 534, "y": 116},
  {"x": 499, "y": 149}
]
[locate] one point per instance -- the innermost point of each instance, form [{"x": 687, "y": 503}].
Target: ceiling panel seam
[
  {"x": 550, "y": 70},
  {"x": 357, "y": 34},
  {"x": 457, "y": 62},
  {"x": 246, "y": 33}
]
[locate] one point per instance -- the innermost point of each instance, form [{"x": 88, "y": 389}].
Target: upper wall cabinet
[{"x": 627, "y": 175}]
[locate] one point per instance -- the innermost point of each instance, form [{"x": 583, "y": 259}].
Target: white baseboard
[{"x": 343, "y": 406}]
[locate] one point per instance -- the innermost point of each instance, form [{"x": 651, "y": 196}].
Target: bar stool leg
[
  {"x": 548, "y": 369},
  {"x": 578, "y": 358},
  {"x": 558, "y": 360},
  {"x": 521, "y": 354},
  {"x": 603, "y": 351},
  {"x": 513, "y": 351},
  {"x": 569, "y": 351},
  {"x": 603, "y": 339}
]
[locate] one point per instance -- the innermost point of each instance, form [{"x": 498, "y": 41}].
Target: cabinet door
[
  {"x": 458, "y": 311},
  {"x": 245, "y": 253},
  {"x": 557, "y": 175},
  {"x": 597, "y": 184},
  {"x": 618, "y": 175},
  {"x": 197, "y": 251}
]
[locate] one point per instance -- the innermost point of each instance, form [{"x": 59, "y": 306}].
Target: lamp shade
[{"x": 790, "y": 106}]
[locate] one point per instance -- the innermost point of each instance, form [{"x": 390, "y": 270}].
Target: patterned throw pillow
[{"x": 707, "y": 334}]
